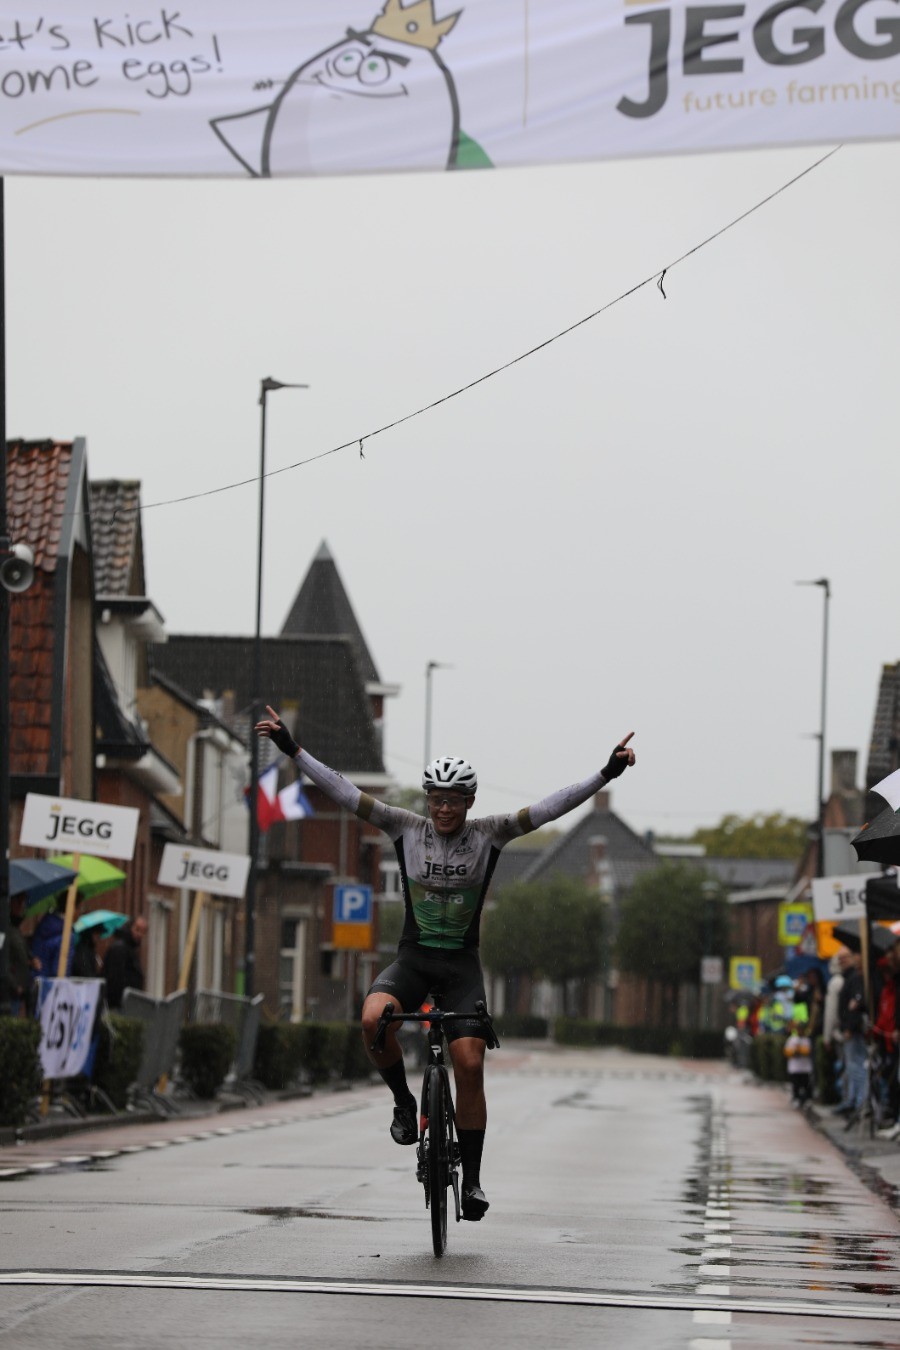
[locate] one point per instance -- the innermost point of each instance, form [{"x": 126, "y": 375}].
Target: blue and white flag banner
[
  {"x": 66, "y": 1009},
  {"x": 301, "y": 87}
]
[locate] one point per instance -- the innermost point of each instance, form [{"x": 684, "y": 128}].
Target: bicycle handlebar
[{"x": 438, "y": 1017}]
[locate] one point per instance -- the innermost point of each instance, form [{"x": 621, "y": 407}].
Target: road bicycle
[{"x": 437, "y": 1154}]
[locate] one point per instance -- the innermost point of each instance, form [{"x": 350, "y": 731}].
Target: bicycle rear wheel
[{"x": 438, "y": 1160}]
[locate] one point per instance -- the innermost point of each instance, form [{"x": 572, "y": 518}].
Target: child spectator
[{"x": 798, "y": 1052}]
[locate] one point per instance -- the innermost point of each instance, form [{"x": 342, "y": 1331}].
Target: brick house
[
  {"x": 320, "y": 674},
  {"x": 51, "y": 718}
]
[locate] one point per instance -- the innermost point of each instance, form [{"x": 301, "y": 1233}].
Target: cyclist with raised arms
[{"x": 446, "y": 864}]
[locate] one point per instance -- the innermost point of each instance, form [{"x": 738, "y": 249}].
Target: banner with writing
[
  {"x": 66, "y": 1009},
  {"x": 305, "y": 87}
]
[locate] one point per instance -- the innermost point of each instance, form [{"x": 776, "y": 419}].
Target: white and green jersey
[{"x": 445, "y": 878}]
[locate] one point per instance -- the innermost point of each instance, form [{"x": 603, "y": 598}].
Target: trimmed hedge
[
  {"x": 119, "y": 1052},
  {"x": 207, "y": 1053},
  {"x": 688, "y": 1043},
  {"x": 767, "y": 1059},
  {"x": 525, "y": 1026},
  {"x": 316, "y": 1051},
  {"x": 20, "y": 1067}
]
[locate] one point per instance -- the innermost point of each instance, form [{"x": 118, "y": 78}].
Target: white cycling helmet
[{"x": 449, "y": 771}]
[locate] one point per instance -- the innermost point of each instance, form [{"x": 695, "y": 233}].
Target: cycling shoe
[
  {"x": 405, "y": 1125},
  {"x": 474, "y": 1203}
]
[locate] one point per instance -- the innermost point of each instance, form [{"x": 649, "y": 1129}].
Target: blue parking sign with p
[{"x": 353, "y": 904}]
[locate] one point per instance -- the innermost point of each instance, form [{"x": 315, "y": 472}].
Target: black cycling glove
[
  {"x": 284, "y": 740},
  {"x": 616, "y": 766}
]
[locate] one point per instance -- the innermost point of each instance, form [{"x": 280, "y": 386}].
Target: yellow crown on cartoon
[{"x": 415, "y": 23}]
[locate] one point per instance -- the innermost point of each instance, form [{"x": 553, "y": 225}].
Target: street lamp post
[
  {"x": 820, "y": 813},
  {"x": 265, "y": 388},
  {"x": 429, "y": 668}
]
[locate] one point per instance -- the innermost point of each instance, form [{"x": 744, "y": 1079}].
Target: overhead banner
[{"x": 304, "y": 87}]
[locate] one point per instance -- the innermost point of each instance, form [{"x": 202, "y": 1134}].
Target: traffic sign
[
  {"x": 744, "y": 972},
  {"x": 353, "y": 904}
]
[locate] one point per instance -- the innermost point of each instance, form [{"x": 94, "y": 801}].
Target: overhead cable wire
[{"x": 357, "y": 442}]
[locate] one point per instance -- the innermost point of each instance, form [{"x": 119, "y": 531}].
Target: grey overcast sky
[{"x": 605, "y": 537}]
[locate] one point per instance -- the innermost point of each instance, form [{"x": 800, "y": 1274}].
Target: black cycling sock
[
  {"x": 471, "y": 1145},
  {"x": 395, "y": 1077}
]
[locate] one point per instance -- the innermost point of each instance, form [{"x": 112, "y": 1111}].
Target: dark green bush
[
  {"x": 688, "y": 1043},
  {"x": 278, "y": 1055},
  {"x": 207, "y": 1053},
  {"x": 318, "y": 1051},
  {"x": 119, "y": 1051},
  {"x": 767, "y": 1058},
  {"x": 324, "y": 1049},
  {"x": 357, "y": 1064},
  {"x": 526, "y": 1026},
  {"x": 20, "y": 1067}
]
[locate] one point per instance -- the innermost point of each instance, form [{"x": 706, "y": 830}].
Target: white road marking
[{"x": 483, "y": 1293}]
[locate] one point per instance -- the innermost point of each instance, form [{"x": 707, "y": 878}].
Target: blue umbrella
[
  {"x": 106, "y": 920},
  {"x": 36, "y": 879}
]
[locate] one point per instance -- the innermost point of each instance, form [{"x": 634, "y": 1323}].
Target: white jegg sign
[
  {"x": 66, "y": 825},
  {"x": 204, "y": 869}
]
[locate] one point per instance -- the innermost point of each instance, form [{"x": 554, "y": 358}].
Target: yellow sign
[
  {"x": 352, "y": 937},
  {"x": 793, "y": 920},
  {"x": 744, "y": 972}
]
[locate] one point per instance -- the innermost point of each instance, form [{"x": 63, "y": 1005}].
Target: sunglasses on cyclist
[{"x": 437, "y": 799}]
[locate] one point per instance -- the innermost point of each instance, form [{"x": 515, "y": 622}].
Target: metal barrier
[
  {"x": 162, "y": 1019},
  {"x": 243, "y": 1014}
]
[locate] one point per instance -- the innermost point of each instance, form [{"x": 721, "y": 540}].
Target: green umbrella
[{"x": 95, "y": 875}]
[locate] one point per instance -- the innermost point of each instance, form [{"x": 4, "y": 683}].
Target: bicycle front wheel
[{"x": 438, "y": 1160}]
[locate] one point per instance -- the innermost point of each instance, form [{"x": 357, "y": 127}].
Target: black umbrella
[
  {"x": 881, "y": 938},
  {"x": 879, "y": 839}
]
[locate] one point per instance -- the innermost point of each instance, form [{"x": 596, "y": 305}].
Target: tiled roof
[
  {"x": 512, "y": 865},
  {"x": 743, "y": 874},
  {"x": 44, "y": 512},
  {"x": 116, "y": 530},
  {"x": 626, "y": 853},
  {"x": 37, "y": 478},
  {"x": 319, "y": 676},
  {"x": 884, "y": 747},
  {"x": 322, "y": 607}
]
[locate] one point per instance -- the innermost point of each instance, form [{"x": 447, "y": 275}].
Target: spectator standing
[
  {"x": 85, "y": 964},
  {"x": 851, "y": 1017},
  {"x": 831, "y": 1029},
  {"x": 122, "y": 967},
  {"x": 886, "y": 1030},
  {"x": 21, "y": 971},
  {"x": 46, "y": 945}
]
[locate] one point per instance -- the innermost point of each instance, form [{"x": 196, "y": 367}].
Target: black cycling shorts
[{"x": 453, "y": 979}]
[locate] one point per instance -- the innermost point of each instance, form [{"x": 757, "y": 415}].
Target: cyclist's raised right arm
[{"x": 391, "y": 819}]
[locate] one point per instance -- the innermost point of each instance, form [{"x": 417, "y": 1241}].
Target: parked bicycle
[{"x": 437, "y": 1154}]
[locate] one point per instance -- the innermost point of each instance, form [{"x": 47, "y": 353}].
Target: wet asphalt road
[{"x": 634, "y": 1202}]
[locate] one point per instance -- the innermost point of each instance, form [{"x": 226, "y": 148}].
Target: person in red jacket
[{"x": 886, "y": 1031}]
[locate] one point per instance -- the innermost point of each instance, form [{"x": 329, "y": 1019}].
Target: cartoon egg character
[{"x": 382, "y": 99}]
